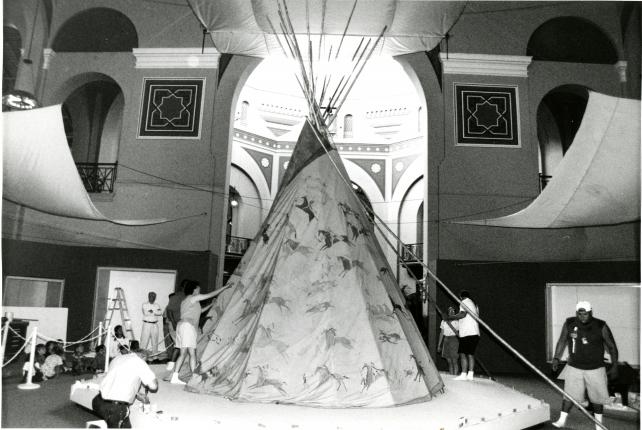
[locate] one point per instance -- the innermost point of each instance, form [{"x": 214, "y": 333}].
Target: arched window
[
  {"x": 559, "y": 116},
  {"x": 571, "y": 39},
  {"x": 347, "y": 126},
  {"x": 96, "y": 30},
  {"x": 244, "y": 108},
  {"x": 11, "y": 44}
]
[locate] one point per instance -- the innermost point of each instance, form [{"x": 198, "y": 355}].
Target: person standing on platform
[
  {"x": 172, "y": 317},
  {"x": 149, "y": 332},
  {"x": 187, "y": 329},
  {"x": 120, "y": 388},
  {"x": 449, "y": 343},
  {"x": 586, "y": 338},
  {"x": 468, "y": 335}
]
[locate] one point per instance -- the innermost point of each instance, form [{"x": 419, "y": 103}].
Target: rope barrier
[{"x": 15, "y": 355}]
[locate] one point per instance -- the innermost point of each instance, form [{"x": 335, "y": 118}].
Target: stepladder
[{"x": 118, "y": 303}]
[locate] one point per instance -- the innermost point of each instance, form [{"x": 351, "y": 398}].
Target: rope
[
  {"x": 454, "y": 296},
  {"x": 16, "y": 333},
  {"x": 15, "y": 355}
]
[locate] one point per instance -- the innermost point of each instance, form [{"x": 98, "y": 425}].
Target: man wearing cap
[{"x": 585, "y": 371}]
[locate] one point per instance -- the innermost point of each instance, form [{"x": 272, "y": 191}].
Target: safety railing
[
  {"x": 543, "y": 181},
  {"x": 237, "y": 245},
  {"x": 412, "y": 251},
  {"x": 98, "y": 177}
]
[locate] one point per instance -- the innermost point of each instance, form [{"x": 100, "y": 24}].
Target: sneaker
[
  {"x": 469, "y": 376},
  {"x": 558, "y": 424},
  {"x": 170, "y": 366},
  {"x": 461, "y": 377},
  {"x": 175, "y": 380}
]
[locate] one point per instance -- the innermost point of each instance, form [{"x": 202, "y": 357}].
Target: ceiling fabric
[
  {"x": 39, "y": 171},
  {"x": 243, "y": 26},
  {"x": 598, "y": 180}
]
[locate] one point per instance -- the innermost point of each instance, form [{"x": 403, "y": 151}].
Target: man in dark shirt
[
  {"x": 586, "y": 338},
  {"x": 172, "y": 317}
]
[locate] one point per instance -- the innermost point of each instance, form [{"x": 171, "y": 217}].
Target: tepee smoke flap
[{"x": 314, "y": 315}]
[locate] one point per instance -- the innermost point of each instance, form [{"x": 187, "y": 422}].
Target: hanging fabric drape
[
  {"x": 39, "y": 171},
  {"x": 598, "y": 180},
  {"x": 243, "y": 26}
]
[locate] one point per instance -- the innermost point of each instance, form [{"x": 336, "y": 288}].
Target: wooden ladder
[{"x": 119, "y": 303}]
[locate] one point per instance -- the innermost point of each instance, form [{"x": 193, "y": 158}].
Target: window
[
  {"x": 32, "y": 292},
  {"x": 347, "y": 126}
]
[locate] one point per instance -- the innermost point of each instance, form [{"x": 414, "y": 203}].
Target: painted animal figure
[
  {"x": 249, "y": 309},
  {"x": 321, "y": 307},
  {"x": 262, "y": 381},
  {"x": 369, "y": 374},
  {"x": 331, "y": 339},
  {"x": 325, "y": 375},
  {"x": 389, "y": 337},
  {"x": 420, "y": 370},
  {"x": 280, "y": 302},
  {"x": 328, "y": 238},
  {"x": 305, "y": 206}
]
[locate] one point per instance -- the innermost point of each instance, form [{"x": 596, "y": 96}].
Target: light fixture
[
  {"x": 234, "y": 202},
  {"x": 22, "y": 97}
]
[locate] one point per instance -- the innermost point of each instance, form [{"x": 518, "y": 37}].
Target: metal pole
[
  {"x": 32, "y": 356},
  {"x": 107, "y": 348},
  {"x": 100, "y": 333},
  {"x": 5, "y": 334}
]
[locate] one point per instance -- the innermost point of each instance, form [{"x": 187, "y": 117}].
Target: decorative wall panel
[
  {"x": 171, "y": 108},
  {"x": 486, "y": 115}
]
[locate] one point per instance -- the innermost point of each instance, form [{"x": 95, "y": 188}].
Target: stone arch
[
  {"x": 248, "y": 214},
  {"x": 94, "y": 104},
  {"x": 571, "y": 39},
  {"x": 97, "y": 29},
  {"x": 559, "y": 115}
]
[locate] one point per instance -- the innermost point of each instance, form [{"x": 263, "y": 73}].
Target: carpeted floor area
[{"x": 49, "y": 406}]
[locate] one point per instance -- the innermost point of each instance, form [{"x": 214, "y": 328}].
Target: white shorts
[{"x": 185, "y": 335}]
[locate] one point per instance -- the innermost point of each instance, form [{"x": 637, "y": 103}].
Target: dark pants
[{"x": 115, "y": 414}]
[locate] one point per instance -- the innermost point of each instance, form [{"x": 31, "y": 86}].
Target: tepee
[{"x": 314, "y": 315}]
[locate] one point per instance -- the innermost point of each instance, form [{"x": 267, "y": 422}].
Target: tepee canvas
[{"x": 313, "y": 315}]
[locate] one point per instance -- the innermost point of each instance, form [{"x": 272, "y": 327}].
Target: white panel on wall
[
  {"x": 617, "y": 304},
  {"x": 136, "y": 284}
]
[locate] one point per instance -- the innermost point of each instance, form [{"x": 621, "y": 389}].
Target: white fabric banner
[
  {"x": 243, "y": 26},
  {"x": 598, "y": 180},
  {"x": 39, "y": 171}
]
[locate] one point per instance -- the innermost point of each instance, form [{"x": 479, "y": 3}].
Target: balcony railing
[
  {"x": 410, "y": 249},
  {"x": 543, "y": 181},
  {"x": 237, "y": 245},
  {"x": 98, "y": 177}
]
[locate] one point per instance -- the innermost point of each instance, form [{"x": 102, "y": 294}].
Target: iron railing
[
  {"x": 543, "y": 181},
  {"x": 412, "y": 248},
  {"x": 237, "y": 245},
  {"x": 98, "y": 177}
]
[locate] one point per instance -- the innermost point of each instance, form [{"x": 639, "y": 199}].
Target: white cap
[{"x": 583, "y": 305}]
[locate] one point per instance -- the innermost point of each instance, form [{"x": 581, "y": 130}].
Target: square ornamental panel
[
  {"x": 171, "y": 108},
  {"x": 486, "y": 115}
]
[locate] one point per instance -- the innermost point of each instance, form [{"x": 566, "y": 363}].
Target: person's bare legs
[
  {"x": 471, "y": 366},
  {"x": 179, "y": 364},
  {"x": 464, "y": 367}
]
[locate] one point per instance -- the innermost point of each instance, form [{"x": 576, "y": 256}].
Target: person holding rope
[
  {"x": 468, "y": 335},
  {"x": 586, "y": 338}
]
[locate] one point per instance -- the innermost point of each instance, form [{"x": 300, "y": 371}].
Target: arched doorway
[{"x": 559, "y": 116}]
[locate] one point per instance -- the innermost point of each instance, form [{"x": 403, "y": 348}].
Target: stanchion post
[
  {"x": 29, "y": 385},
  {"x": 107, "y": 349},
  {"x": 5, "y": 334},
  {"x": 100, "y": 333}
]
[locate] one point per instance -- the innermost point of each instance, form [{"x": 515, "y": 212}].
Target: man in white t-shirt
[
  {"x": 149, "y": 332},
  {"x": 468, "y": 335},
  {"x": 119, "y": 389}
]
